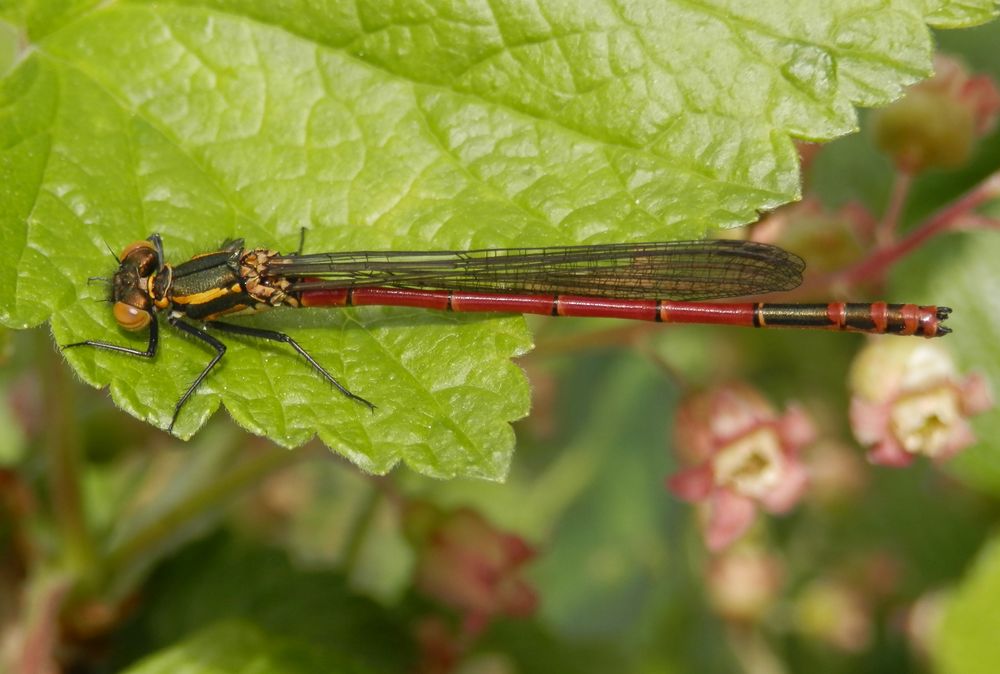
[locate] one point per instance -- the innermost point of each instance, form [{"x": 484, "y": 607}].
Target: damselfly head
[{"x": 132, "y": 303}]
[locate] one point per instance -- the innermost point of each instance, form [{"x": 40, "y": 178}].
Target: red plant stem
[
  {"x": 41, "y": 629},
  {"x": 975, "y": 221},
  {"x": 875, "y": 265},
  {"x": 885, "y": 233}
]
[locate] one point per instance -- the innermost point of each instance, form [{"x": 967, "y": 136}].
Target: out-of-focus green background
[{"x": 309, "y": 550}]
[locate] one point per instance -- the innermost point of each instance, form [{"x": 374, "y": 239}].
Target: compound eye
[
  {"x": 140, "y": 254},
  {"x": 129, "y": 317},
  {"x": 134, "y": 246}
]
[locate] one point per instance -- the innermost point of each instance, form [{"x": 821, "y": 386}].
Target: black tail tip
[{"x": 943, "y": 313}]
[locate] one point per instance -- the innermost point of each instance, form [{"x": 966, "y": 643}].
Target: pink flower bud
[
  {"x": 908, "y": 399},
  {"x": 922, "y": 622},
  {"x": 830, "y": 240},
  {"x": 976, "y": 93},
  {"x": 938, "y": 121},
  {"x": 743, "y": 584},
  {"x": 739, "y": 454},
  {"x": 466, "y": 563},
  {"x": 836, "y": 473},
  {"x": 440, "y": 648},
  {"x": 835, "y": 613}
]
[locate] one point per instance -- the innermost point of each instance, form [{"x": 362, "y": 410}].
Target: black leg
[
  {"x": 282, "y": 337},
  {"x": 158, "y": 247},
  {"x": 220, "y": 350},
  {"x": 148, "y": 353},
  {"x": 151, "y": 351}
]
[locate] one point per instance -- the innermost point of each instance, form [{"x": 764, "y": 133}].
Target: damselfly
[{"x": 612, "y": 280}]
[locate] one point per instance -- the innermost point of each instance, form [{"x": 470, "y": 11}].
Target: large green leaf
[
  {"x": 431, "y": 125},
  {"x": 967, "y": 639},
  {"x": 241, "y": 648}
]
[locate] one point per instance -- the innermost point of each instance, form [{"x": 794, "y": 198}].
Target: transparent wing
[{"x": 679, "y": 270}]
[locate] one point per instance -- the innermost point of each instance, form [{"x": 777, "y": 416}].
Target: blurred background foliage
[{"x": 250, "y": 553}]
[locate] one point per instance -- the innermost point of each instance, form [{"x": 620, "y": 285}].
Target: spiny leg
[
  {"x": 282, "y": 337},
  {"x": 220, "y": 350}
]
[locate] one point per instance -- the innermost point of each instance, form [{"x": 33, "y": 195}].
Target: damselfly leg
[
  {"x": 220, "y": 351},
  {"x": 275, "y": 336},
  {"x": 149, "y": 352}
]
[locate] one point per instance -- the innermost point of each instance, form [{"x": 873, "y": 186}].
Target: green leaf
[
  {"x": 963, "y": 13},
  {"x": 967, "y": 641},
  {"x": 41, "y": 17},
  {"x": 221, "y": 579},
  {"x": 238, "y": 648},
  {"x": 438, "y": 125},
  {"x": 9, "y": 38},
  {"x": 12, "y": 444}
]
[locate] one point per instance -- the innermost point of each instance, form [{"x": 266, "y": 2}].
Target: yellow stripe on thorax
[{"x": 206, "y": 295}]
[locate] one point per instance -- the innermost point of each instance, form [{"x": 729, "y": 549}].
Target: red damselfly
[{"x": 630, "y": 281}]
